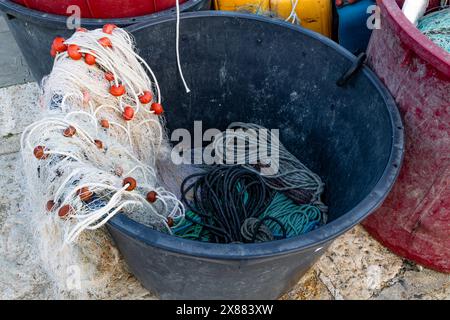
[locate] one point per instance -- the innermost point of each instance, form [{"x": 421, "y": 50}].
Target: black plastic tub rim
[
  {"x": 30, "y": 15},
  {"x": 313, "y": 239}
]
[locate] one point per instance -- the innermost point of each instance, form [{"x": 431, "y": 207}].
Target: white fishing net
[{"x": 94, "y": 154}]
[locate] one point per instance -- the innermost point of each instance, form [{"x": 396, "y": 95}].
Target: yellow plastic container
[
  {"x": 315, "y": 15},
  {"x": 252, "y": 6}
]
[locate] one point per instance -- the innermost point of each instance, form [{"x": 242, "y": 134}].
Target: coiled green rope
[
  {"x": 190, "y": 230},
  {"x": 257, "y": 198},
  {"x": 297, "y": 219},
  {"x": 281, "y": 219}
]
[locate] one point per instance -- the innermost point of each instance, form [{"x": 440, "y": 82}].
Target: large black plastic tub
[
  {"x": 34, "y": 31},
  {"x": 253, "y": 69}
]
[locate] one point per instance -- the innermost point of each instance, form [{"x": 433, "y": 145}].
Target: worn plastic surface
[
  {"x": 100, "y": 9},
  {"x": 351, "y": 135},
  {"x": 34, "y": 31},
  {"x": 414, "y": 222}
]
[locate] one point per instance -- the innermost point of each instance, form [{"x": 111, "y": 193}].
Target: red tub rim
[{"x": 13, "y": 9}]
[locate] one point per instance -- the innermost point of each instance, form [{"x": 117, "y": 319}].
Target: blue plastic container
[{"x": 354, "y": 34}]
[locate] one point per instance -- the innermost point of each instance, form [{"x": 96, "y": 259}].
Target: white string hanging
[
  {"x": 177, "y": 44},
  {"x": 293, "y": 17}
]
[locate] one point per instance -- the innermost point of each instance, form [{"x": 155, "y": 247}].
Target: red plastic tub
[
  {"x": 414, "y": 221},
  {"x": 101, "y": 9}
]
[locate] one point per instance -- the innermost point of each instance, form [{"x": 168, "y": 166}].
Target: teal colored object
[
  {"x": 436, "y": 26},
  {"x": 353, "y": 32},
  {"x": 189, "y": 230},
  {"x": 297, "y": 219}
]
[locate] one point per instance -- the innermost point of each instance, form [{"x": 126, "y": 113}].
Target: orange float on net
[
  {"x": 85, "y": 194},
  {"x": 146, "y": 97},
  {"x": 89, "y": 59},
  {"x": 74, "y": 52},
  {"x": 58, "y": 44},
  {"x": 128, "y": 113},
  {"x": 98, "y": 143},
  {"x": 152, "y": 196},
  {"x": 131, "y": 182},
  {"x": 157, "y": 108},
  {"x": 108, "y": 28},
  {"x": 104, "y": 123},
  {"x": 105, "y": 42},
  {"x": 69, "y": 132},
  {"x": 65, "y": 210},
  {"x": 170, "y": 222},
  {"x": 109, "y": 76},
  {"x": 39, "y": 153},
  {"x": 81, "y": 29},
  {"x": 50, "y": 205},
  {"x": 117, "y": 91}
]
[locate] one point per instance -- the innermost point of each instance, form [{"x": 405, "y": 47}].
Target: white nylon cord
[
  {"x": 178, "y": 47},
  {"x": 293, "y": 15}
]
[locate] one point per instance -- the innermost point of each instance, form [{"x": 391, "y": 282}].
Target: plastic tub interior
[
  {"x": 254, "y": 69},
  {"x": 414, "y": 222},
  {"x": 100, "y": 9},
  {"x": 34, "y": 31}
]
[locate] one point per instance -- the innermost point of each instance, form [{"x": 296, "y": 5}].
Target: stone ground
[
  {"x": 355, "y": 266},
  {"x": 13, "y": 68}
]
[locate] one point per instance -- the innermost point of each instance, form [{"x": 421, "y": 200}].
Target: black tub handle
[
  {"x": 357, "y": 64},
  {"x": 10, "y": 16}
]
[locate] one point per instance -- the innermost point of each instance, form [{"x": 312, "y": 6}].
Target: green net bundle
[{"x": 436, "y": 26}]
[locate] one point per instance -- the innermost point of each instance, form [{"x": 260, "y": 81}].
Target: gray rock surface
[{"x": 14, "y": 69}]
